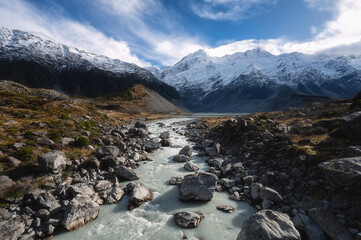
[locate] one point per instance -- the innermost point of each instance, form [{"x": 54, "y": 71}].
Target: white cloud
[
  {"x": 17, "y": 14},
  {"x": 229, "y": 9},
  {"x": 339, "y": 35}
]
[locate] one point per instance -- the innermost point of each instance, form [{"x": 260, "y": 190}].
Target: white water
[{"x": 155, "y": 220}]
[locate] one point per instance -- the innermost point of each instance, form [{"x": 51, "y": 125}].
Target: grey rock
[
  {"x": 191, "y": 167},
  {"x": 12, "y": 161},
  {"x": 225, "y": 208},
  {"x": 102, "y": 185},
  {"x": 216, "y": 162},
  {"x": 188, "y": 219},
  {"x": 125, "y": 173},
  {"x": 329, "y": 224},
  {"x": 44, "y": 141},
  {"x": 164, "y": 135},
  {"x": 266, "y": 203},
  {"x": 47, "y": 201},
  {"x": 344, "y": 172},
  {"x": 268, "y": 225},
  {"x": 92, "y": 163},
  {"x": 53, "y": 161},
  {"x": 139, "y": 195},
  {"x": 81, "y": 210},
  {"x": 181, "y": 158},
  {"x": 43, "y": 214},
  {"x": 352, "y": 151},
  {"x": 152, "y": 145},
  {"x": 271, "y": 194},
  {"x": 111, "y": 151},
  {"x": 115, "y": 195},
  {"x": 350, "y": 126},
  {"x": 140, "y": 125},
  {"x": 175, "y": 180},
  {"x": 18, "y": 145},
  {"x": 187, "y": 151},
  {"x": 308, "y": 227},
  {"x": 66, "y": 141},
  {"x": 12, "y": 229},
  {"x": 198, "y": 186},
  {"x": 81, "y": 189},
  {"x": 5, "y": 182}
]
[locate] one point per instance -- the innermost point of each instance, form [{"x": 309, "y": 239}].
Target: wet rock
[
  {"x": 344, "y": 172},
  {"x": 329, "y": 224},
  {"x": 308, "y": 227},
  {"x": 53, "y": 161},
  {"x": 152, "y": 145},
  {"x": 270, "y": 194},
  {"x": 198, "y": 186},
  {"x": 268, "y": 225},
  {"x": 5, "y": 182},
  {"x": 115, "y": 195},
  {"x": 81, "y": 210},
  {"x": 186, "y": 151},
  {"x": 111, "y": 151},
  {"x": 11, "y": 229},
  {"x": 191, "y": 167},
  {"x": 139, "y": 195},
  {"x": 164, "y": 135},
  {"x": 125, "y": 173},
  {"x": 225, "y": 208},
  {"x": 175, "y": 180},
  {"x": 140, "y": 125},
  {"x": 181, "y": 158},
  {"x": 188, "y": 219},
  {"x": 165, "y": 143},
  {"x": 102, "y": 185}
]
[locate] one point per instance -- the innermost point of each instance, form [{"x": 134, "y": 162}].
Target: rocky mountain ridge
[{"x": 256, "y": 80}]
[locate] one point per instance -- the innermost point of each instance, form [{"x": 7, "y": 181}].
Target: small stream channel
[{"x": 154, "y": 220}]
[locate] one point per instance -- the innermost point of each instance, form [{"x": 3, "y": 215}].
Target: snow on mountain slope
[
  {"x": 37, "y": 62},
  {"x": 198, "y": 75}
]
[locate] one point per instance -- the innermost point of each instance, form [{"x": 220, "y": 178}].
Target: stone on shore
[
  {"x": 53, "y": 161},
  {"x": 125, "y": 173},
  {"x": 198, "y": 186},
  {"x": 270, "y": 194},
  {"x": 268, "y": 225}
]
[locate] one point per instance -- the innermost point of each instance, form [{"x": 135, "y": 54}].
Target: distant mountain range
[
  {"x": 39, "y": 63},
  {"x": 256, "y": 80}
]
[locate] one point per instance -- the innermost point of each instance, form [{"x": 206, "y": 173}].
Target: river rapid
[{"x": 154, "y": 220}]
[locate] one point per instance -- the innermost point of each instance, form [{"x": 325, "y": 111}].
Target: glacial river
[{"x": 154, "y": 220}]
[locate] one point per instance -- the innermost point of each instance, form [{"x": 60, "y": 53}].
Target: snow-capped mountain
[
  {"x": 256, "y": 80},
  {"x": 37, "y": 62}
]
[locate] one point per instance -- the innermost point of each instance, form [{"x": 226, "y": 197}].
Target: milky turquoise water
[{"x": 154, "y": 220}]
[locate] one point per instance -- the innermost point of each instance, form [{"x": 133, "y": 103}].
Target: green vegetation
[
  {"x": 74, "y": 154},
  {"x": 81, "y": 141},
  {"x": 264, "y": 116},
  {"x": 65, "y": 116},
  {"x": 85, "y": 125},
  {"x": 29, "y": 135},
  {"x": 24, "y": 153},
  {"x": 54, "y": 135},
  {"x": 13, "y": 192}
]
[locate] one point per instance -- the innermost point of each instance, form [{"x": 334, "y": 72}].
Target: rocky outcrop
[
  {"x": 11, "y": 229},
  {"x": 351, "y": 126},
  {"x": 270, "y": 194},
  {"x": 139, "y": 194},
  {"x": 344, "y": 172},
  {"x": 111, "y": 151},
  {"x": 125, "y": 173},
  {"x": 308, "y": 227},
  {"x": 329, "y": 224},
  {"x": 268, "y": 225},
  {"x": 188, "y": 219},
  {"x": 81, "y": 210},
  {"x": 53, "y": 161},
  {"x": 198, "y": 186}
]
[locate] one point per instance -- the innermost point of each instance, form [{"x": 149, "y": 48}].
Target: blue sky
[{"x": 161, "y": 32}]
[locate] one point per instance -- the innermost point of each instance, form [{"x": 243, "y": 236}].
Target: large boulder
[
  {"x": 107, "y": 151},
  {"x": 92, "y": 163},
  {"x": 81, "y": 210},
  {"x": 115, "y": 195},
  {"x": 191, "y": 167},
  {"x": 188, "y": 219},
  {"x": 81, "y": 189},
  {"x": 187, "y": 151},
  {"x": 101, "y": 185},
  {"x": 47, "y": 201},
  {"x": 12, "y": 229},
  {"x": 268, "y": 225},
  {"x": 270, "y": 194},
  {"x": 308, "y": 227},
  {"x": 53, "y": 161},
  {"x": 125, "y": 173},
  {"x": 5, "y": 182},
  {"x": 198, "y": 186},
  {"x": 139, "y": 195},
  {"x": 329, "y": 224},
  {"x": 350, "y": 126},
  {"x": 344, "y": 172},
  {"x": 181, "y": 158},
  {"x": 152, "y": 145}
]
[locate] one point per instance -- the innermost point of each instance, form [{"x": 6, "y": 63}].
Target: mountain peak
[{"x": 260, "y": 52}]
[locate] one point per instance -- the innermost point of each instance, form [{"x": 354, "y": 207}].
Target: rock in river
[
  {"x": 225, "y": 208},
  {"x": 198, "y": 186},
  {"x": 188, "y": 219},
  {"x": 187, "y": 151},
  {"x": 139, "y": 195},
  {"x": 80, "y": 211},
  {"x": 181, "y": 158},
  {"x": 268, "y": 225},
  {"x": 126, "y": 173},
  {"x": 191, "y": 167}
]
